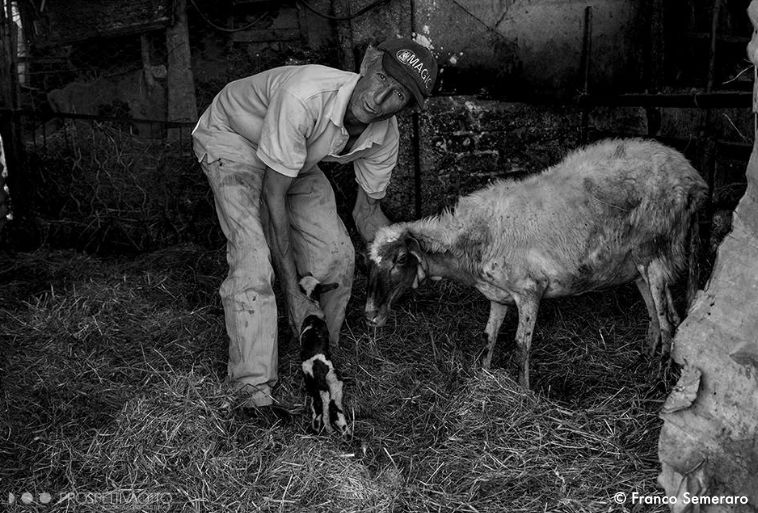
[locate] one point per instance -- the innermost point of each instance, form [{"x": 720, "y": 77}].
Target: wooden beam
[
  {"x": 702, "y": 100},
  {"x": 182, "y": 105}
]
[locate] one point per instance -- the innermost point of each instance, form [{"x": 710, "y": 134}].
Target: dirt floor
[{"x": 113, "y": 400}]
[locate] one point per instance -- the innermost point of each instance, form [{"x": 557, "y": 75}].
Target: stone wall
[
  {"x": 466, "y": 142},
  {"x": 523, "y": 48}
]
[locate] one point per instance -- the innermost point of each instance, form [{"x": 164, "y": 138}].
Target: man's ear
[{"x": 370, "y": 59}]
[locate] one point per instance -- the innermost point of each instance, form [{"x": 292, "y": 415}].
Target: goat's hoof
[
  {"x": 664, "y": 364},
  {"x": 346, "y": 432},
  {"x": 484, "y": 359},
  {"x": 317, "y": 423},
  {"x": 651, "y": 341}
]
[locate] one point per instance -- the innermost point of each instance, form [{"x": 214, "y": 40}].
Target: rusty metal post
[
  {"x": 655, "y": 76},
  {"x": 586, "y": 58},
  {"x": 707, "y": 141}
]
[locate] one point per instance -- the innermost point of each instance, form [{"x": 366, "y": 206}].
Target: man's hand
[
  {"x": 275, "y": 187},
  {"x": 368, "y": 215}
]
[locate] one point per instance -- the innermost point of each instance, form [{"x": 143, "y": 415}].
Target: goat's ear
[
  {"x": 401, "y": 257},
  {"x": 414, "y": 247}
]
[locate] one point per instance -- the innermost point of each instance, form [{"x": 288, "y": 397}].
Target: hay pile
[
  {"x": 112, "y": 389},
  {"x": 95, "y": 186}
]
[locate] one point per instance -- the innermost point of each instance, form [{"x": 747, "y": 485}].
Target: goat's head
[
  {"x": 395, "y": 265},
  {"x": 313, "y": 288}
]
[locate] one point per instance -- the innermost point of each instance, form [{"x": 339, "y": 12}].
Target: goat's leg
[
  {"x": 653, "y": 327},
  {"x": 316, "y": 405},
  {"x": 658, "y": 286},
  {"x": 325, "y": 410},
  {"x": 673, "y": 316},
  {"x": 528, "y": 304},
  {"x": 336, "y": 416},
  {"x": 498, "y": 312}
]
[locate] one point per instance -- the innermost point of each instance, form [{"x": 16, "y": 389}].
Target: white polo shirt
[{"x": 291, "y": 118}]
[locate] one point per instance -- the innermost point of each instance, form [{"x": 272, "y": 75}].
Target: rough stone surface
[{"x": 711, "y": 446}]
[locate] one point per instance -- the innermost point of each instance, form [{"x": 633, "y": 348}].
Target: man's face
[{"x": 377, "y": 96}]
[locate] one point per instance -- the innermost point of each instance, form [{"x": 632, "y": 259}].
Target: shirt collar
[{"x": 339, "y": 107}]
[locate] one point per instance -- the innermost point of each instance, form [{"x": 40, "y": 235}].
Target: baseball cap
[{"x": 412, "y": 65}]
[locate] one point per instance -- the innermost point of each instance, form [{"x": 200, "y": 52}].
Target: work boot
[{"x": 276, "y": 412}]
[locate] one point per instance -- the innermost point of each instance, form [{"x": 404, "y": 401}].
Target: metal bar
[
  {"x": 707, "y": 139},
  {"x": 657, "y": 41},
  {"x": 723, "y": 38},
  {"x": 33, "y": 125},
  {"x": 416, "y": 121},
  {"x": 417, "y": 163},
  {"x": 587, "y": 47},
  {"x": 655, "y": 71},
  {"x": 714, "y": 39},
  {"x": 703, "y": 100},
  {"x": 586, "y": 55}
]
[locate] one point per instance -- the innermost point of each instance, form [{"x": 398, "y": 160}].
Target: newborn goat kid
[
  {"x": 322, "y": 383},
  {"x": 610, "y": 213}
]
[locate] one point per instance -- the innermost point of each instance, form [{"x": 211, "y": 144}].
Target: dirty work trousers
[{"x": 321, "y": 246}]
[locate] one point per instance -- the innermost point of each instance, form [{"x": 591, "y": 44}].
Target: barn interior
[{"x": 113, "y": 347}]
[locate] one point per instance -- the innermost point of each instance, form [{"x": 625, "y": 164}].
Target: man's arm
[
  {"x": 368, "y": 215},
  {"x": 275, "y": 187}
]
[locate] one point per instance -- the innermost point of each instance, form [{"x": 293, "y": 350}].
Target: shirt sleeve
[
  {"x": 285, "y": 129},
  {"x": 373, "y": 171}
]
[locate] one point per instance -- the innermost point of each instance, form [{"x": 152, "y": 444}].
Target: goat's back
[{"x": 614, "y": 203}]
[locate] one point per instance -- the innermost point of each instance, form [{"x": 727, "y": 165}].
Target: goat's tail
[{"x": 693, "y": 272}]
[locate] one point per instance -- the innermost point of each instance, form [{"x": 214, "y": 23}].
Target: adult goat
[{"x": 609, "y": 213}]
